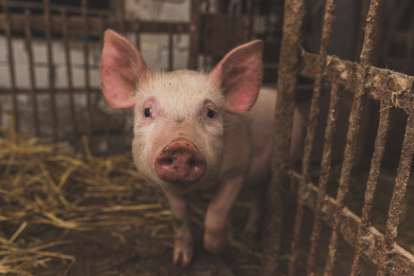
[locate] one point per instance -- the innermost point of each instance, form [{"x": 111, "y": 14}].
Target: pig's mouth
[{"x": 180, "y": 163}]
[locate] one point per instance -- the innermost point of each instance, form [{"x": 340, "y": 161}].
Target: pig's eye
[
  {"x": 147, "y": 112},
  {"x": 210, "y": 113}
]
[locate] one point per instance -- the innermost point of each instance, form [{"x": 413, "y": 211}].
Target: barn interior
[{"x": 71, "y": 202}]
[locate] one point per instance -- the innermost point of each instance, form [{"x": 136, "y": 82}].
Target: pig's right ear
[
  {"x": 240, "y": 74},
  {"x": 122, "y": 67}
]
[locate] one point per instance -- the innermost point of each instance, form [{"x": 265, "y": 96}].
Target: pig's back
[
  {"x": 248, "y": 139},
  {"x": 261, "y": 118},
  {"x": 260, "y": 130}
]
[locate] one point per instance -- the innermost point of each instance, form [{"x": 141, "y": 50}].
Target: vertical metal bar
[
  {"x": 354, "y": 120},
  {"x": 324, "y": 175},
  {"x": 194, "y": 34},
  {"x": 122, "y": 30},
  {"x": 28, "y": 33},
  {"x": 249, "y": 13},
  {"x": 387, "y": 263},
  {"x": 170, "y": 50},
  {"x": 48, "y": 33},
  {"x": 310, "y": 134},
  {"x": 361, "y": 8},
  {"x": 7, "y": 30},
  {"x": 121, "y": 17},
  {"x": 289, "y": 58},
  {"x": 107, "y": 117},
  {"x": 374, "y": 172},
  {"x": 1, "y": 119},
  {"x": 89, "y": 118},
  {"x": 204, "y": 29},
  {"x": 65, "y": 33},
  {"x": 137, "y": 35}
]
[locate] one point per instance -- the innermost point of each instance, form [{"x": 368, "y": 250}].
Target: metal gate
[
  {"x": 61, "y": 23},
  {"x": 393, "y": 90},
  {"x": 64, "y": 22}
]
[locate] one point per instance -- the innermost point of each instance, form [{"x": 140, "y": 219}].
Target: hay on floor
[{"x": 53, "y": 185}]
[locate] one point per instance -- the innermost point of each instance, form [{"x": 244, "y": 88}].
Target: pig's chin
[
  {"x": 180, "y": 188},
  {"x": 176, "y": 188}
]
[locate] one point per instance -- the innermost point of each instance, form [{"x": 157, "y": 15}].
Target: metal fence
[
  {"x": 64, "y": 22},
  {"x": 393, "y": 90}
]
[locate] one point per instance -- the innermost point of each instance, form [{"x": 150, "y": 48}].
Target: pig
[{"x": 197, "y": 130}]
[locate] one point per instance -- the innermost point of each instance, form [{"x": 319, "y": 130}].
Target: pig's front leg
[
  {"x": 218, "y": 214},
  {"x": 183, "y": 236}
]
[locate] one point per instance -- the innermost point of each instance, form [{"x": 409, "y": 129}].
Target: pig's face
[
  {"x": 178, "y": 116},
  {"x": 178, "y": 129}
]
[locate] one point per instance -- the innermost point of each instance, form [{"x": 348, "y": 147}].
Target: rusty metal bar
[
  {"x": 48, "y": 34},
  {"x": 374, "y": 239},
  {"x": 76, "y": 24},
  {"x": 170, "y": 51},
  {"x": 28, "y": 34},
  {"x": 324, "y": 175},
  {"x": 374, "y": 172},
  {"x": 7, "y": 29},
  {"x": 86, "y": 64},
  {"x": 387, "y": 264},
  {"x": 194, "y": 34},
  {"x": 310, "y": 134},
  {"x": 354, "y": 121},
  {"x": 375, "y": 86},
  {"x": 288, "y": 69},
  {"x": 69, "y": 76}
]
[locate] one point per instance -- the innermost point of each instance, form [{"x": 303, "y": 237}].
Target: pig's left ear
[
  {"x": 122, "y": 67},
  {"x": 240, "y": 76}
]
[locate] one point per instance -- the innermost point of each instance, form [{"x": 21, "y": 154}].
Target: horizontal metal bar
[
  {"x": 44, "y": 90},
  {"x": 376, "y": 83},
  {"x": 31, "y": 5},
  {"x": 76, "y": 25},
  {"x": 373, "y": 242}
]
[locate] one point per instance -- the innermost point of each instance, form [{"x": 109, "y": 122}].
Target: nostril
[
  {"x": 165, "y": 162},
  {"x": 180, "y": 162}
]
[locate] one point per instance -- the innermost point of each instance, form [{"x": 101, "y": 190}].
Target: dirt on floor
[{"x": 65, "y": 213}]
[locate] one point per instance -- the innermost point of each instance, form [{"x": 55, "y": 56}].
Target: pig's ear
[
  {"x": 240, "y": 76},
  {"x": 122, "y": 67}
]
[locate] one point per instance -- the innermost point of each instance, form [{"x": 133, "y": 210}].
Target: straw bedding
[{"x": 51, "y": 186}]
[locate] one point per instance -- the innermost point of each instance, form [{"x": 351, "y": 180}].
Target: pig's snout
[{"x": 180, "y": 162}]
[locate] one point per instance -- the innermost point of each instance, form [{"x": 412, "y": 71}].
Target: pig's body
[{"x": 195, "y": 131}]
